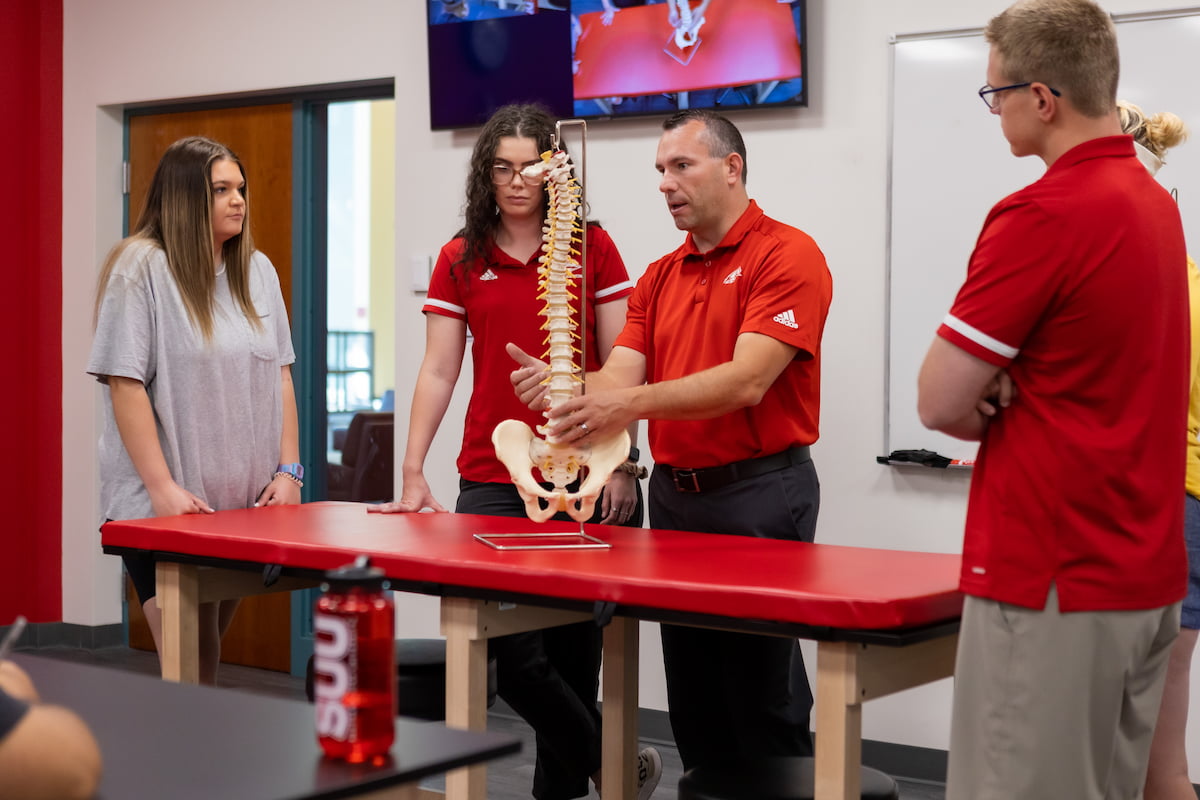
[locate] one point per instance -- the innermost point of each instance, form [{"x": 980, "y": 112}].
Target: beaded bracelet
[{"x": 291, "y": 477}]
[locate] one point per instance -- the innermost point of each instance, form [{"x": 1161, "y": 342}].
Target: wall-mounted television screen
[{"x": 613, "y": 58}]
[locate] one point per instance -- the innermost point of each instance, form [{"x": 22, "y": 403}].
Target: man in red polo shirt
[
  {"x": 1073, "y": 558},
  {"x": 721, "y": 351}
]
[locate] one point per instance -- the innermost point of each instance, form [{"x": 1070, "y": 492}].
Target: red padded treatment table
[
  {"x": 884, "y": 620},
  {"x": 750, "y": 41}
]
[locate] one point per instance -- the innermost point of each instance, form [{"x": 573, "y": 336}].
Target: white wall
[{"x": 823, "y": 169}]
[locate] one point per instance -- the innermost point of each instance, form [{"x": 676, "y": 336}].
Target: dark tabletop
[{"x": 168, "y": 740}]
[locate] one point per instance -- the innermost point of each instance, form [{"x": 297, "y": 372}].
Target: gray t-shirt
[{"x": 218, "y": 404}]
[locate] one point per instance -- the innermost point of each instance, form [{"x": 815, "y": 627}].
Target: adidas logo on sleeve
[{"x": 786, "y": 318}]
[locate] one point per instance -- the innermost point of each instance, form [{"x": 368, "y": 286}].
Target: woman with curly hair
[{"x": 486, "y": 282}]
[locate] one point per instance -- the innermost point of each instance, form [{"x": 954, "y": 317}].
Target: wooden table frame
[{"x": 848, "y": 672}]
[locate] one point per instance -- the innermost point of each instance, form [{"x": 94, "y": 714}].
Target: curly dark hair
[{"x": 480, "y": 215}]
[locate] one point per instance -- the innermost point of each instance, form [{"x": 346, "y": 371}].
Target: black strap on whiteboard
[{"x": 923, "y": 458}]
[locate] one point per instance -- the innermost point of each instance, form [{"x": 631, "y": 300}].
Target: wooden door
[{"x": 262, "y": 138}]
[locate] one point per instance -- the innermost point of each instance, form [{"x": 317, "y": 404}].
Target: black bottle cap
[{"x": 358, "y": 574}]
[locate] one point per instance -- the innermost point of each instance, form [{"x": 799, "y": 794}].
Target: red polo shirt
[
  {"x": 1077, "y": 288},
  {"x": 688, "y": 310},
  {"x": 498, "y": 300}
]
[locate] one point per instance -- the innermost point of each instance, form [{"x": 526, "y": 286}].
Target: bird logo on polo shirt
[
  {"x": 489, "y": 275},
  {"x": 733, "y": 276},
  {"x": 786, "y": 318}
]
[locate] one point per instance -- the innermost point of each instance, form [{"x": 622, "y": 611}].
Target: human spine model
[
  {"x": 687, "y": 30},
  {"x": 516, "y": 446}
]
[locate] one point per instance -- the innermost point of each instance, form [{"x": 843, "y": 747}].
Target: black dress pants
[
  {"x": 550, "y": 677},
  {"x": 730, "y": 694}
]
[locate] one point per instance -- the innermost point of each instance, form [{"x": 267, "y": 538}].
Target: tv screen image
[{"x": 611, "y": 58}]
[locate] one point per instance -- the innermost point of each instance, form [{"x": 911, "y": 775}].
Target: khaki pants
[{"x": 1053, "y": 705}]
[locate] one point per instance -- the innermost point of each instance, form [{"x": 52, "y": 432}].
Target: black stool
[
  {"x": 771, "y": 779},
  {"x": 420, "y": 678}
]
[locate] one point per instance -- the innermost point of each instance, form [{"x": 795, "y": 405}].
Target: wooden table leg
[
  {"x": 850, "y": 674},
  {"x": 466, "y": 688},
  {"x": 620, "y": 731},
  {"x": 178, "y": 595},
  {"x": 467, "y": 625},
  {"x": 839, "y": 722}
]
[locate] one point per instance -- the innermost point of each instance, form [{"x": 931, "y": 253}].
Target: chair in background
[
  {"x": 387, "y": 402},
  {"x": 365, "y": 474}
]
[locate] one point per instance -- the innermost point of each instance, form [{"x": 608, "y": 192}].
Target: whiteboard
[{"x": 950, "y": 164}]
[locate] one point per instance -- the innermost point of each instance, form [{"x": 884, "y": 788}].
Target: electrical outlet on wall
[{"x": 421, "y": 267}]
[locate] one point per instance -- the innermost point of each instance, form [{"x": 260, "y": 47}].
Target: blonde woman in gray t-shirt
[{"x": 192, "y": 343}]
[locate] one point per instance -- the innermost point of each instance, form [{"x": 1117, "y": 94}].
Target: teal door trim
[
  {"x": 310, "y": 172},
  {"x": 309, "y": 292}
]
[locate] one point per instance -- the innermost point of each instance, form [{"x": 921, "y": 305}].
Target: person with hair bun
[
  {"x": 1167, "y": 777},
  {"x": 193, "y": 347},
  {"x": 1152, "y": 136}
]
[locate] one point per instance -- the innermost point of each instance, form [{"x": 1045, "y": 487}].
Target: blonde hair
[
  {"x": 177, "y": 219},
  {"x": 1158, "y": 133},
  {"x": 1069, "y": 45}
]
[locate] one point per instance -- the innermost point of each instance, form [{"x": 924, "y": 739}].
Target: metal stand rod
[{"x": 581, "y": 163}]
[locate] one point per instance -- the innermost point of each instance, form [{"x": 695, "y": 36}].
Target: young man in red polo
[
  {"x": 721, "y": 351},
  {"x": 1073, "y": 558}
]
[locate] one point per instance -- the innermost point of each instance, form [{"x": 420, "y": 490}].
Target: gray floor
[{"x": 508, "y": 779}]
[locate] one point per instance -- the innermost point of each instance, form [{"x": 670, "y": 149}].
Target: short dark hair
[{"x": 723, "y": 136}]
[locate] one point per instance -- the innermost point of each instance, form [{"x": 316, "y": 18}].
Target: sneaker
[{"x": 649, "y": 771}]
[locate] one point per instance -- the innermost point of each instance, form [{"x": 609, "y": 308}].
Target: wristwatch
[
  {"x": 295, "y": 470},
  {"x": 634, "y": 455}
]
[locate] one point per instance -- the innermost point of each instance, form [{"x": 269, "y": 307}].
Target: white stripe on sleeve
[
  {"x": 617, "y": 287},
  {"x": 979, "y": 337},
  {"x": 429, "y": 301}
]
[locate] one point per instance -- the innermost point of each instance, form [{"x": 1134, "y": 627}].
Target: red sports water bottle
[{"x": 354, "y": 664}]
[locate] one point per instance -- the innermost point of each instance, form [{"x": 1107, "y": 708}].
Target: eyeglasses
[
  {"x": 988, "y": 94},
  {"x": 502, "y": 174}
]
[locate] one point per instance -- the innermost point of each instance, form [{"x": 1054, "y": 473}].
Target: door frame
[{"x": 310, "y": 106}]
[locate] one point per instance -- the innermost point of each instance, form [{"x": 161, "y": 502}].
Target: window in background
[{"x": 360, "y": 262}]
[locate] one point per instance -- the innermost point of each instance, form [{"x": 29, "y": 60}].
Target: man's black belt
[{"x": 708, "y": 479}]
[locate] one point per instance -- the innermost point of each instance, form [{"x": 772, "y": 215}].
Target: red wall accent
[{"x": 31, "y": 71}]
